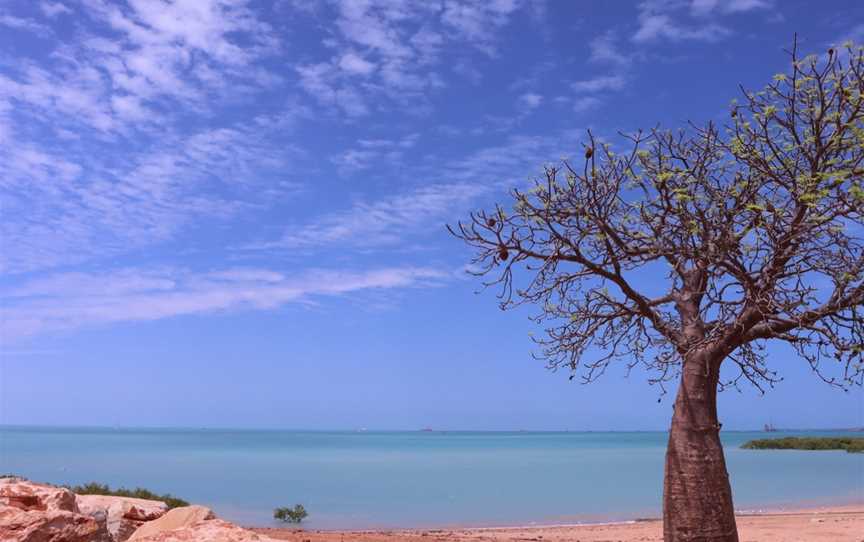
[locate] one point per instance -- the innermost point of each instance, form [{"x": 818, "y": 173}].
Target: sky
[{"x": 231, "y": 213}]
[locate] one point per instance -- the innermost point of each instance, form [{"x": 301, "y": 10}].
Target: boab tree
[{"x": 757, "y": 228}]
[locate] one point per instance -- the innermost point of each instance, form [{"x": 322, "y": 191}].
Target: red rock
[
  {"x": 18, "y": 525},
  {"x": 124, "y": 515},
  {"x": 26, "y": 495},
  {"x": 211, "y": 530},
  {"x": 173, "y": 519},
  {"x": 126, "y": 507}
]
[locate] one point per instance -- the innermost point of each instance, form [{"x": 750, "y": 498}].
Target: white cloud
[
  {"x": 207, "y": 26},
  {"x": 73, "y": 300},
  {"x": 384, "y": 153},
  {"x": 322, "y": 82},
  {"x": 449, "y": 190},
  {"x": 405, "y": 142},
  {"x": 701, "y": 8},
  {"x": 428, "y": 44},
  {"x": 585, "y": 103},
  {"x": 130, "y": 108},
  {"x": 605, "y": 49},
  {"x": 477, "y": 22},
  {"x": 117, "y": 282},
  {"x": 65, "y": 205},
  {"x": 381, "y": 222},
  {"x": 530, "y": 100},
  {"x": 655, "y": 27},
  {"x": 590, "y": 93},
  {"x": 599, "y": 84},
  {"x": 395, "y": 47},
  {"x": 355, "y": 64},
  {"x": 52, "y": 9},
  {"x": 354, "y": 159},
  {"x": 180, "y": 51},
  {"x": 20, "y": 23},
  {"x": 128, "y": 153},
  {"x": 657, "y": 21},
  {"x": 75, "y": 96}
]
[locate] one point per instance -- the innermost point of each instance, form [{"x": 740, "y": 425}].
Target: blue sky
[{"x": 231, "y": 212}]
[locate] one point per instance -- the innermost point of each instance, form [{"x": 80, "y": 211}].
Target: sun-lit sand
[{"x": 830, "y": 524}]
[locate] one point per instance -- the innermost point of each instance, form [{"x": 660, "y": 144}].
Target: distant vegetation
[
  {"x": 850, "y": 444},
  {"x": 94, "y": 488},
  {"x": 290, "y": 515}
]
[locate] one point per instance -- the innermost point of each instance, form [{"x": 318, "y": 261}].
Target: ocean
[{"x": 418, "y": 479}]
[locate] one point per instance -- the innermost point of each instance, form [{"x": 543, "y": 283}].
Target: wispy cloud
[
  {"x": 672, "y": 20},
  {"x": 113, "y": 148},
  {"x": 178, "y": 51},
  {"x": 530, "y": 101},
  {"x": 389, "y": 51},
  {"x": 393, "y": 219},
  {"x": 606, "y": 48},
  {"x": 62, "y": 206},
  {"x": 72, "y": 300},
  {"x": 20, "y": 23},
  {"x": 53, "y": 9},
  {"x": 380, "y": 222},
  {"x": 590, "y": 94},
  {"x": 599, "y": 84},
  {"x": 582, "y": 104},
  {"x": 146, "y": 137},
  {"x": 703, "y": 8},
  {"x": 368, "y": 152},
  {"x": 654, "y": 26},
  {"x": 477, "y": 22}
]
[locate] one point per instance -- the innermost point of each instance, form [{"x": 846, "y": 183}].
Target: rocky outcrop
[
  {"x": 19, "y": 525},
  {"x": 123, "y": 515},
  {"x": 212, "y": 530},
  {"x": 138, "y": 509},
  {"x": 26, "y": 495},
  {"x": 32, "y": 512},
  {"x": 173, "y": 519}
]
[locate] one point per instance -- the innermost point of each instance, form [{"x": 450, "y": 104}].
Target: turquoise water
[{"x": 403, "y": 479}]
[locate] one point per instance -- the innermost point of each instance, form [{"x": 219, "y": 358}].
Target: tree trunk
[{"x": 697, "y": 498}]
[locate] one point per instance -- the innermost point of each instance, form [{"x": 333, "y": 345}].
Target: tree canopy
[{"x": 756, "y": 223}]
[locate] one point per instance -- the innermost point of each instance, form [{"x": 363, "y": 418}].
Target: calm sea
[{"x": 404, "y": 479}]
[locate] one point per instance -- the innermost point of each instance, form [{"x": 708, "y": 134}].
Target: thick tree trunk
[{"x": 697, "y": 498}]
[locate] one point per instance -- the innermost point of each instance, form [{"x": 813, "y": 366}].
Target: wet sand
[{"x": 829, "y": 524}]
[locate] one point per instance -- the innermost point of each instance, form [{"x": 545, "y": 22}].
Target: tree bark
[{"x": 697, "y": 497}]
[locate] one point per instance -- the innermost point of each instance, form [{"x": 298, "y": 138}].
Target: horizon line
[{"x": 391, "y": 430}]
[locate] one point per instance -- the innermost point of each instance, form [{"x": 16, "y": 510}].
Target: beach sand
[{"x": 834, "y": 524}]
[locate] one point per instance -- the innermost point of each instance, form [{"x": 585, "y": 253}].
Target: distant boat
[
  {"x": 769, "y": 428},
  {"x": 427, "y": 430}
]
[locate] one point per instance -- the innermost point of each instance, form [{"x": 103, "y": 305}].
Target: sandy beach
[{"x": 829, "y": 524}]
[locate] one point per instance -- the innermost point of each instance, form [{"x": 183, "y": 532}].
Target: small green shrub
[
  {"x": 290, "y": 515},
  {"x": 850, "y": 444},
  {"x": 94, "y": 488}
]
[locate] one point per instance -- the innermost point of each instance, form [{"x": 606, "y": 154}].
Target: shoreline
[
  {"x": 827, "y": 506},
  {"x": 818, "y": 523}
]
